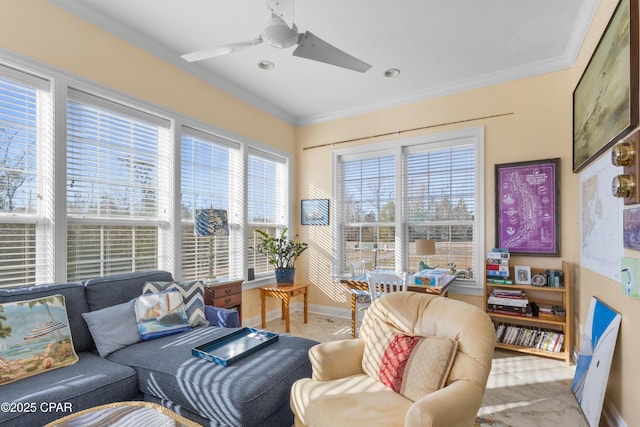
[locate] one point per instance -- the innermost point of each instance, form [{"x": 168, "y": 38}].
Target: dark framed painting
[
  {"x": 528, "y": 207},
  {"x": 315, "y": 212},
  {"x": 605, "y": 100}
]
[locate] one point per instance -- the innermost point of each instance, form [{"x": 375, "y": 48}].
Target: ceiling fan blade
[
  {"x": 200, "y": 55},
  {"x": 284, "y": 9},
  {"x": 312, "y": 47}
]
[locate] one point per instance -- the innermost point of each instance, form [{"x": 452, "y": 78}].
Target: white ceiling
[{"x": 440, "y": 46}]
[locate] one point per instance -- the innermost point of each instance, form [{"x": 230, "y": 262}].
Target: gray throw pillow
[{"x": 113, "y": 328}]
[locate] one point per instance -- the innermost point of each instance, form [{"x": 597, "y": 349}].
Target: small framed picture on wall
[{"x": 315, "y": 212}]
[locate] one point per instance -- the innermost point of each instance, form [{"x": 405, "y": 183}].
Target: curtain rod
[{"x": 399, "y": 132}]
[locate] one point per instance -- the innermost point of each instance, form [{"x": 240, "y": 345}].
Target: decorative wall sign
[
  {"x": 594, "y": 359},
  {"x": 605, "y": 101},
  {"x": 630, "y": 277},
  {"x": 527, "y": 207},
  {"x": 315, "y": 212}
]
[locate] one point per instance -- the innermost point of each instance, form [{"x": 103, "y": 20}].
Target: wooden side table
[
  {"x": 225, "y": 293},
  {"x": 285, "y": 293}
]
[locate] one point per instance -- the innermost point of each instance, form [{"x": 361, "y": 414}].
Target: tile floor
[{"x": 522, "y": 391}]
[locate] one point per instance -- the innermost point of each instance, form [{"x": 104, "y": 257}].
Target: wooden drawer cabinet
[{"x": 225, "y": 294}]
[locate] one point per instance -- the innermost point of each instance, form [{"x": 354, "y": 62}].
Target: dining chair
[{"x": 385, "y": 282}]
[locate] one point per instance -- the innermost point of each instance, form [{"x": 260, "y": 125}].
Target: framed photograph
[
  {"x": 528, "y": 207},
  {"x": 605, "y": 100},
  {"x": 315, "y": 212},
  {"x": 523, "y": 274}
]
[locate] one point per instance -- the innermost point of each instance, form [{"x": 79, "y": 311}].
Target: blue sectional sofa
[{"x": 252, "y": 392}]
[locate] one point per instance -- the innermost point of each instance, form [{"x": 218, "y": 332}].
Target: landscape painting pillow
[
  {"x": 192, "y": 297},
  {"x": 160, "y": 314},
  {"x": 34, "y": 338}
]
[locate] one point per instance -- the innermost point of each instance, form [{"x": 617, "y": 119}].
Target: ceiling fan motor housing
[{"x": 277, "y": 33}]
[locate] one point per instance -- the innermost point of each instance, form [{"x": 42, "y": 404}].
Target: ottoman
[{"x": 252, "y": 392}]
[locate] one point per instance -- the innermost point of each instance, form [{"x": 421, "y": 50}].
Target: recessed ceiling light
[
  {"x": 392, "y": 72},
  {"x": 266, "y": 65}
]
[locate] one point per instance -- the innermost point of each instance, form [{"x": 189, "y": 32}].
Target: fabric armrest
[
  {"x": 336, "y": 359},
  {"x": 447, "y": 406},
  {"x": 223, "y": 317}
]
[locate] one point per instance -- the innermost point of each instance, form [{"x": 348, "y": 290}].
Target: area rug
[{"x": 485, "y": 422}]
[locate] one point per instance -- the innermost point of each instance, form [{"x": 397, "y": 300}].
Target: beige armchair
[{"x": 421, "y": 360}]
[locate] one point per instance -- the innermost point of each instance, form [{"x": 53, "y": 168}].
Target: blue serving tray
[{"x": 234, "y": 346}]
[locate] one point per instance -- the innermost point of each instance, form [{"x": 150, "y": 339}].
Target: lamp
[
  {"x": 425, "y": 248},
  {"x": 211, "y": 223}
]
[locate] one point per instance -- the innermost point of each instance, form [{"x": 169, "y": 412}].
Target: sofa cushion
[
  {"x": 76, "y": 303},
  {"x": 243, "y": 394},
  {"x": 116, "y": 289},
  {"x": 90, "y": 382},
  {"x": 161, "y": 314},
  {"x": 113, "y": 327},
  {"x": 35, "y": 337},
  {"x": 192, "y": 296},
  {"x": 413, "y": 366}
]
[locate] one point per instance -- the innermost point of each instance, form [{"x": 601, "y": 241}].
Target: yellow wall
[
  {"x": 523, "y": 120},
  {"x": 536, "y": 125}
]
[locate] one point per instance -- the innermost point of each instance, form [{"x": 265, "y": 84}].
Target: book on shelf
[
  {"x": 498, "y": 261},
  {"x": 497, "y": 267},
  {"x": 497, "y": 274},
  {"x": 513, "y": 302},
  {"x": 500, "y": 281}
]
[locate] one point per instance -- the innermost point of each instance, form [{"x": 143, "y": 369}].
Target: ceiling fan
[{"x": 281, "y": 32}]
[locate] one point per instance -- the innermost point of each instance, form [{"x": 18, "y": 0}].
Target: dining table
[{"x": 358, "y": 286}]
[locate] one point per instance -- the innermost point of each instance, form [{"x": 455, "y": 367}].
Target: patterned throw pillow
[
  {"x": 34, "y": 338},
  {"x": 412, "y": 366},
  {"x": 160, "y": 314},
  {"x": 192, "y": 296}
]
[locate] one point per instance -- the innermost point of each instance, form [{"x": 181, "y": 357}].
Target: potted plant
[{"x": 282, "y": 253}]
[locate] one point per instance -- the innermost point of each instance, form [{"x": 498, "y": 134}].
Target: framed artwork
[
  {"x": 528, "y": 207},
  {"x": 594, "y": 359},
  {"x": 522, "y": 274},
  {"x": 605, "y": 100},
  {"x": 315, "y": 212},
  {"x": 631, "y": 228}
]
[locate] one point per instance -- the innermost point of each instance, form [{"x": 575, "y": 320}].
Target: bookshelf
[{"x": 543, "y": 296}]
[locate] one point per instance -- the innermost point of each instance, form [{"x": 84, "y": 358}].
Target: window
[
  {"x": 267, "y": 204},
  {"x": 368, "y": 209},
  {"x": 208, "y": 165},
  {"x": 109, "y": 185},
  {"x": 25, "y": 138},
  {"x": 113, "y": 187},
  {"x": 439, "y": 202},
  {"x": 390, "y": 195}
]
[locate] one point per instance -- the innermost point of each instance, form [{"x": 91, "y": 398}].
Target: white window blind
[
  {"x": 391, "y": 194},
  {"x": 113, "y": 187},
  {"x": 367, "y": 204},
  {"x": 207, "y": 170},
  {"x": 267, "y": 203},
  {"x": 440, "y": 205},
  {"x": 24, "y": 120}
]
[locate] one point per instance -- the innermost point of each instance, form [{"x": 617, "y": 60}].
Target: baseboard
[{"x": 611, "y": 415}]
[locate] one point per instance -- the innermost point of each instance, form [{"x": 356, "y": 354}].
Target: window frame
[{"x": 474, "y": 136}]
